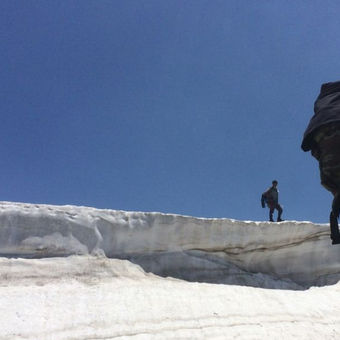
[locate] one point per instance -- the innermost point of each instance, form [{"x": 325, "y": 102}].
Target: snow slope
[{"x": 81, "y": 273}]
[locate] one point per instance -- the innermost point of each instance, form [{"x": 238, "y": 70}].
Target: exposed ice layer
[{"x": 196, "y": 249}]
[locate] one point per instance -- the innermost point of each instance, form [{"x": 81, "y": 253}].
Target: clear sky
[{"x": 179, "y": 106}]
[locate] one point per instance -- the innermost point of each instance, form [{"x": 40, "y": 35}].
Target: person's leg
[
  {"x": 336, "y": 205},
  {"x": 271, "y": 211},
  {"x": 279, "y": 210},
  {"x": 335, "y": 234}
]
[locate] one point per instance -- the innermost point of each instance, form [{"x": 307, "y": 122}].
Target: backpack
[{"x": 263, "y": 200}]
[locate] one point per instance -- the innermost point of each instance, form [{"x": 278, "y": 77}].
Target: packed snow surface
[{"x": 71, "y": 272}]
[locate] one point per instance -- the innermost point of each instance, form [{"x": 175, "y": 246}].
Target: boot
[{"x": 279, "y": 219}]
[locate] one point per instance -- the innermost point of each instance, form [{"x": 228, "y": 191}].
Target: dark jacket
[
  {"x": 326, "y": 110},
  {"x": 271, "y": 197}
]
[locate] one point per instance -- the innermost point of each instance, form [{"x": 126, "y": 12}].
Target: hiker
[
  {"x": 322, "y": 138},
  {"x": 271, "y": 197}
]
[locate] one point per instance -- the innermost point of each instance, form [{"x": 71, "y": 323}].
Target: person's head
[{"x": 274, "y": 183}]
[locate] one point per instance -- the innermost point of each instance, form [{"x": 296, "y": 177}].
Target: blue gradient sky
[{"x": 188, "y": 107}]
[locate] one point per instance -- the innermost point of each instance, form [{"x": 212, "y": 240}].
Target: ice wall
[{"x": 285, "y": 255}]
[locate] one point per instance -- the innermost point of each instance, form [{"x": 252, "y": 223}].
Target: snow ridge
[{"x": 287, "y": 255}]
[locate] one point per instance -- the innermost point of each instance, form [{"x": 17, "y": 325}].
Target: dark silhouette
[
  {"x": 271, "y": 197},
  {"x": 322, "y": 138}
]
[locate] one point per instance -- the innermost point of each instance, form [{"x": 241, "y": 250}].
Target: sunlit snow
[{"x": 71, "y": 272}]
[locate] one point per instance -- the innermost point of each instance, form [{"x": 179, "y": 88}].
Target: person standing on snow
[
  {"x": 271, "y": 197},
  {"x": 322, "y": 138}
]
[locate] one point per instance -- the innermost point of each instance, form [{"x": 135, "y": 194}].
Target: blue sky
[{"x": 187, "y": 107}]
